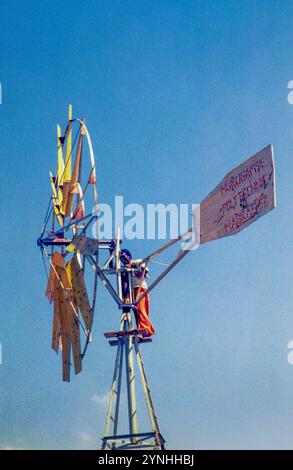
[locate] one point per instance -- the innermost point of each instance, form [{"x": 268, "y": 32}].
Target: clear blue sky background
[{"x": 175, "y": 93}]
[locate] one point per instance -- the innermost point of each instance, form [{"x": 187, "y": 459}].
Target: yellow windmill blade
[
  {"x": 56, "y": 201},
  {"x": 60, "y": 160},
  {"x": 67, "y": 172},
  {"x": 67, "y": 167},
  {"x": 74, "y": 179},
  {"x": 60, "y": 170}
]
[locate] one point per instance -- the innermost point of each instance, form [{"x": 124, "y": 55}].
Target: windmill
[{"x": 245, "y": 194}]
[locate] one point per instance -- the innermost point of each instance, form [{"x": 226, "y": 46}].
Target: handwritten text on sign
[{"x": 244, "y": 195}]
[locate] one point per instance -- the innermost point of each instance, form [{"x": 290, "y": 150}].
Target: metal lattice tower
[{"x": 128, "y": 342}]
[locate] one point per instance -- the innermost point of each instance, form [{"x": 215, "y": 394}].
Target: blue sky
[{"x": 175, "y": 94}]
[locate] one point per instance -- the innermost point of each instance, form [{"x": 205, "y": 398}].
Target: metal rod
[
  {"x": 113, "y": 390},
  {"x": 140, "y": 435},
  {"x": 105, "y": 280},
  {"x": 130, "y": 380},
  {"x": 147, "y": 393},
  {"x": 163, "y": 274},
  {"x": 118, "y": 395},
  {"x": 166, "y": 246}
]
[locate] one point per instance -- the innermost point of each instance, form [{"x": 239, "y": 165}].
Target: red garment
[{"x": 142, "y": 312}]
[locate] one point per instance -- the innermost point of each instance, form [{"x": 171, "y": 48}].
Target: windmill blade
[
  {"x": 74, "y": 331},
  {"x": 61, "y": 302},
  {"x": 74, "y": 179},
  {"x": 67, "y": 172},
  {"x": 57, "y": 260},
  {"x": 65, "y": 191},
  {"x": 73, "y": 323},
  {"x": 65, "y": 322},
  {"x": 52, "y": 293},
  {"x": 56, "y": 330},
  {"x": 60, "y": 161},
  {"x": 60, "y": 169},
  {"x": 67, "y": 167},
  {"x": 56, "y": 201},
  {"x": 93, "y": 178},
  {"x": 80, "y": 292},
  {"x": 79, "y": 212},
  {"x": 245, "y": 194}
]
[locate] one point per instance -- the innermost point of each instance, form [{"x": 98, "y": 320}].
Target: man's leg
[{"x": 142, "y": 314}]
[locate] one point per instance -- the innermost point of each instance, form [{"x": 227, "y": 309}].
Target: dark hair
[{"x": 125, "y": 253}]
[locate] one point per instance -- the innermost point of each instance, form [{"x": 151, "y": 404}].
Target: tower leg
[
  {"x": 148, "y": 398},
  {"x": 130, "y": 380},
  {"x": 117, "y": 404},
  {"x": 115, "y": 392}
]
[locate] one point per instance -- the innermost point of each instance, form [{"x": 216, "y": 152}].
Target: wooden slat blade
[
  {"x": 80, "y": 292},
  {"x": 65, "y": 192},
  {"x": 67, "y": 171},
  {"x": 73, "y": 324},
  {"x": 57, "y": 260},
  {"x": 64, "y": 327},
  {"x": 56, "y": 201},
  {"x": 60, "y": 161},
  {"x": 74, "y": 179},
  {"x": 56, "y": 328}
]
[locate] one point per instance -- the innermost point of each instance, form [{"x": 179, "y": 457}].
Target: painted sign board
[{"x": 244, "y": 195}]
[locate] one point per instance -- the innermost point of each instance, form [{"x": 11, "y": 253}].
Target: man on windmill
[{"x": 139, "y": 286}]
